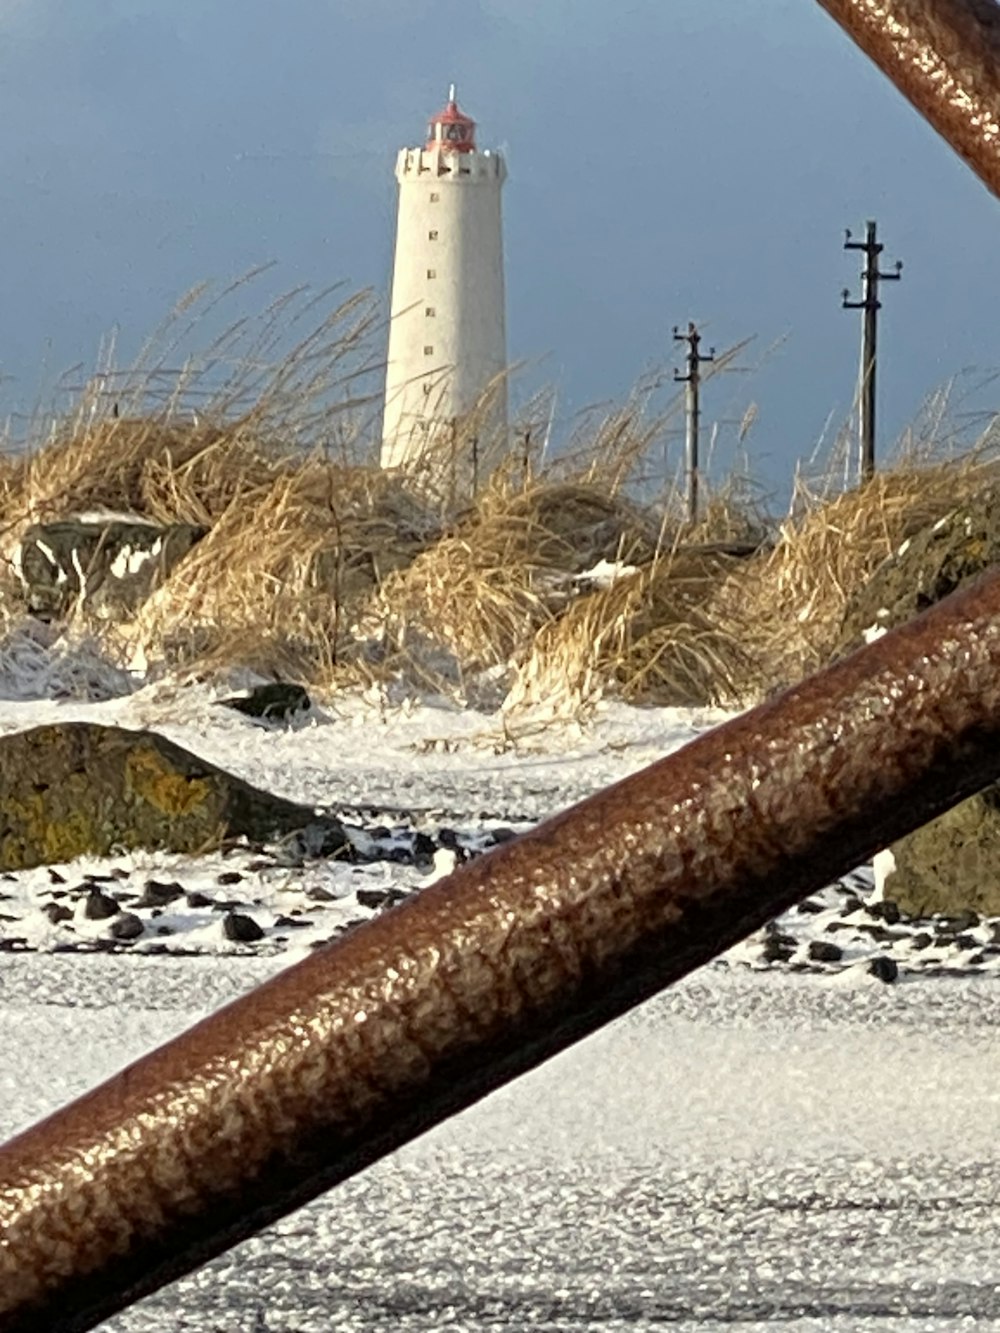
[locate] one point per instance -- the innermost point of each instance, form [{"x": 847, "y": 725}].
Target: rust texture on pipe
[
  {"x": 400, "y": 1023},
  {"x": 944, "y": 55}
]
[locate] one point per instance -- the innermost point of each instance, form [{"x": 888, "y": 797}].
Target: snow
[
  {"x": 779, "y": 1156},
  {"x": 760, "y": 1147}
]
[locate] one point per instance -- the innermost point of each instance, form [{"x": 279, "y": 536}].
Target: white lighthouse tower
[{"x": 447, "y": 342}]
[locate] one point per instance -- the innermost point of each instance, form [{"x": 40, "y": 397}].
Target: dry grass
[
  {"x": 320, "y": 567},
  {"x": 649, "y": 636},
  {"x": 787, "y": 606},
  {"x": 505, "y": 568},
  {"x": 283, "y": 572}
]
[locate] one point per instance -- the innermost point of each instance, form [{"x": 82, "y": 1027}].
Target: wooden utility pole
[
  {"x": 869, "y": 305},
  {"x": 693, "y": 400}
]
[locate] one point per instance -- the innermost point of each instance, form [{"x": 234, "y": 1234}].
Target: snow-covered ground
[
  {"x": 751, "y": 1151},
  {"x": 782, "y": 1141}
]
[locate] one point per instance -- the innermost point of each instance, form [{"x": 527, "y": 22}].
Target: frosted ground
[{"x": 755, "y": 1149}]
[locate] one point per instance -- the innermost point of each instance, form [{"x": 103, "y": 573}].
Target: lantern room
[{"x": 450, "y": 130}]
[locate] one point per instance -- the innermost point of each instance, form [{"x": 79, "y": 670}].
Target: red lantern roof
[{"x": 451, "y": 130}]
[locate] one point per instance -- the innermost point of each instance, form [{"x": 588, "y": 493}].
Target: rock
[
  {"x": 109, "y": 565},
  {"x": 198, "y": 900},
  {"x": 317, "y": 840},
  {"x": 884, "y": 968},
  {"x": 57, "y": 912},
  {"x": 126, "y": 927},
  {"x": 229, "y": 877},
  {"x": 808, "y": 907},
  {"x": 77, "y": 788},
  {"x": 372, "y": 897},
  {"x": 98, "y": 906},
  {"x": 822, "y": 951},
  {"x": 887, "y": 910},
  {"x": 424, "y": 847},
  {"x": 279, "y": 702},
  {"x": 932, "y": 563},
  {"x": 155, "y": 894},
  {"x": 776, "y": 949},
  {"x": 241, "y": 929},
  {"x": 954, "y": 862},
  {"x": 951, "y": 865}
]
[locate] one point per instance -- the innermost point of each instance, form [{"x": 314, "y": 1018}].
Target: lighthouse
[{"x": 445, "y": 391}]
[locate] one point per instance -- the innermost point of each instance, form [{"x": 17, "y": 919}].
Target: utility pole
[
  {"x": 692, "y": 397},
  {"x": 869, "y": 305}
]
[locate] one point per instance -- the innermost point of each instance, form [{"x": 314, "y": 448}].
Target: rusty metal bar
[
  {"x": 944, "y": 55},
  {"x": 399, "y": 1024}
]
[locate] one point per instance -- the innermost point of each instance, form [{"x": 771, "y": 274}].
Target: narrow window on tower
[
  {"x": 435, "y": 197},
  {"x": 432, "y": 235},
  {"x": 432, "y": 272},
  {"x": 428, "y": 351},
  {"x": 429, "y": 311}
]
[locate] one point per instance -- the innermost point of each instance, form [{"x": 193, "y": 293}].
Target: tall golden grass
[{"x": 319, "y": 566}]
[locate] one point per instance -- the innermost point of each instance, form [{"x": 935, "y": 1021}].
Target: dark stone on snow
[
  {"x": 57, "y": 912},
  {"x": 320, "y": 895},
  {"x": 967, "y": 920},
  {"x": 93, "y": 788},
  {"x": 822, "y": 951},
  {"x": 156, "y": 894},
  {"x": 55, "y": 877},
  {"x": 777, "y": 948},
  {"x": 498, "y": 835},
  {"x": 316, "y": 840},
  {"x": 98, "y": 906},
  {"x": 241, "y": 929},
  {"x": 372, "y": 897},
  {"x": 809, "y": 907},
  {"x": 198, "y": 900},
  {"x": 424, "y": 847},
  {"x": 851, "y": 905},
  {"x": 229, "y": 877},
  {"x": 126, "y": 927},
  {"x": 965, "y": 942},
  {"x": 289, "y": 923},
  {"x": 279, "y": 702},
  {"x": 398, "y": 855},
  {"x": 112, "y": 565},
  {"x": 887, "y": 910},
  {"x": 921, "y": 940},
  {"x": 886, "y": 969}
]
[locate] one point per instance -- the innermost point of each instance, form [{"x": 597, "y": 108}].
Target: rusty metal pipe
[
  {"x": 944, "y": 55},
  {"x": 397, "y": 1025}
]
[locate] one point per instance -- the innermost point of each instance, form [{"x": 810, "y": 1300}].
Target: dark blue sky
[{"x": 691, "y": 159}]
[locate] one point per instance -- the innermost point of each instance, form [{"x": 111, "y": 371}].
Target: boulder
[
  {"x": 277, "y": 702},
  {"x": 111, "y": 565},
  {"x": 953, "y": 863},
  {"x": 77, "y": 788},
  {"x": 937, "y": 561}
]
